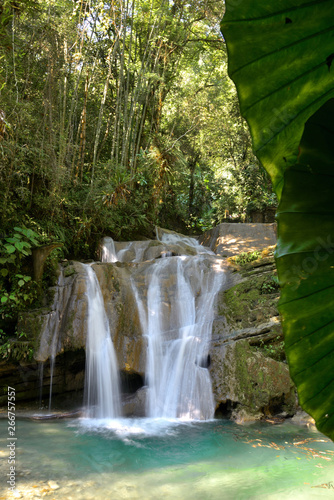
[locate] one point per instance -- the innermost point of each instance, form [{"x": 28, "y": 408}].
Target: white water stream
[
  {"x": 51, "y": 337},
  {"x": 174, "y": 282},
  {"x": 177, "y": 320},
  {"x": 175, "y": 298},
  {"x": 108, "y": 250},
  {"x": 102, "y": 378}
]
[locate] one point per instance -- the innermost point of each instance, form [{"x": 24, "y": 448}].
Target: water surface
[{"x": 154, "y": 458}]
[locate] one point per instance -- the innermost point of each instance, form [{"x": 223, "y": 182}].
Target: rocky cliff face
[
  {"x": 249, "y": 371},
  {"x": 248, "y": 382},
  {"x": 249, "y": 385}
]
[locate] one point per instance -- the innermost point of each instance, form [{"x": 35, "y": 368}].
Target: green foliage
[
  {"x": 246, "y": 257},
  {"x": 305, "y": 265},
  {"x": 17, "y": 246},
  {"x": 113, "y": 120},
  {"x": 270, "y": 285},
  {"x": 274, "y": 349},
  {"x": 17, "y": 289},
  {"x": 277, "y": 106},
  {"x": 16, "y": 349},
  {"x": 14, "y": 248},
  {"x": 290, "y": 117},
  {"x": 4, "y": 345}
]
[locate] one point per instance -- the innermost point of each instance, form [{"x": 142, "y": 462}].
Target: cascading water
[
  {"x": 175, "y": 298},
  {"x": 177, "y": 321},
  {"x": 132, "y": 251},
  {"x": 102, "y": 378},
  {"x": 108, "y": 250},
  {"x": 51, "y": 335},
  {"x": 174, "y": 238}
]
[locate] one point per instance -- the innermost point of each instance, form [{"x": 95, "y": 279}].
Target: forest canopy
[{"x": 116, "y": 116}]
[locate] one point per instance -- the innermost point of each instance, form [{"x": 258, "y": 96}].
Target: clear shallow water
[{"x": 153, "y": 459}]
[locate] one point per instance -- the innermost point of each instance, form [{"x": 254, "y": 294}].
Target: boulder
[
  {"x": 135, "y": 404},
  {"x": 248, "y": 385},
  {"x": 248, "y": 368}
]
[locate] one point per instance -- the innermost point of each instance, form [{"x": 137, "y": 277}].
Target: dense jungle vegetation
[{"x": 116, "y": 116}]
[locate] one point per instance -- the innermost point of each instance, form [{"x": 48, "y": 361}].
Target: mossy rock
[
  {"x": 250, "y": 302},
  {"x": 31, "y": 324},
  {"x": 255, "y": 384}
]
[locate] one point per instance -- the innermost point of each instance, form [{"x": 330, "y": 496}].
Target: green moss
[
  {"x": 246, "y": 383},
  {"x": 260, "y": 376},
  {"x": 30, "y": 324},
  {"x": 250, "y": 302},
  {"x": 121, "y": 319},
  {"x": 115, "y": 283},
  {"x": 253, "y": 380},
  {"x": 155, "y": 243},
  {"x": 69, "y": 271},
  {"x": 110, "y": 278},
  {"x": 50, "y": 295}
]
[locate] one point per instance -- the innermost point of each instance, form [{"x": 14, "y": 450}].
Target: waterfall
[
  {"x": 174, "y": 238},
  {"x": 40, "y": 376},
  {"x": 176, "y": 318},
  {"x": 102, "y": 378},
  {"x": 50, "y": 340},
  {"x": 108, "y": 251},
  {"x": 175, "y": 298}
]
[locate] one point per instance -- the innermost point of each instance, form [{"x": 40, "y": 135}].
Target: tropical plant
[
  {"x": 17, "y": 289},
  {"x": 280, "y": 58}
]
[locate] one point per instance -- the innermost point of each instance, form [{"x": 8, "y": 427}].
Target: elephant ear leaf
[
  {"x": 305, "y": 263},
  {"x": 281, "y": 58}
]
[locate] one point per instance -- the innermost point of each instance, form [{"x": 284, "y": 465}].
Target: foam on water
[{"x": 124, "y": 428}]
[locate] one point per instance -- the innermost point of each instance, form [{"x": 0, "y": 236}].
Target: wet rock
[
  {"x": 303, "y": 418},
  {"x": 253, "y": 384},
  {"x": 25, "y": 376},
  {"x": 135, "y": 404},
  {"x": 250, "y": 376},
  {"x": 62, "y": 325}
]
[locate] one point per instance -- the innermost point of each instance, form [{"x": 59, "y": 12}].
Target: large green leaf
[
  {"x": 305, "y": 262},
  {"x": 280, "y": 57}
]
